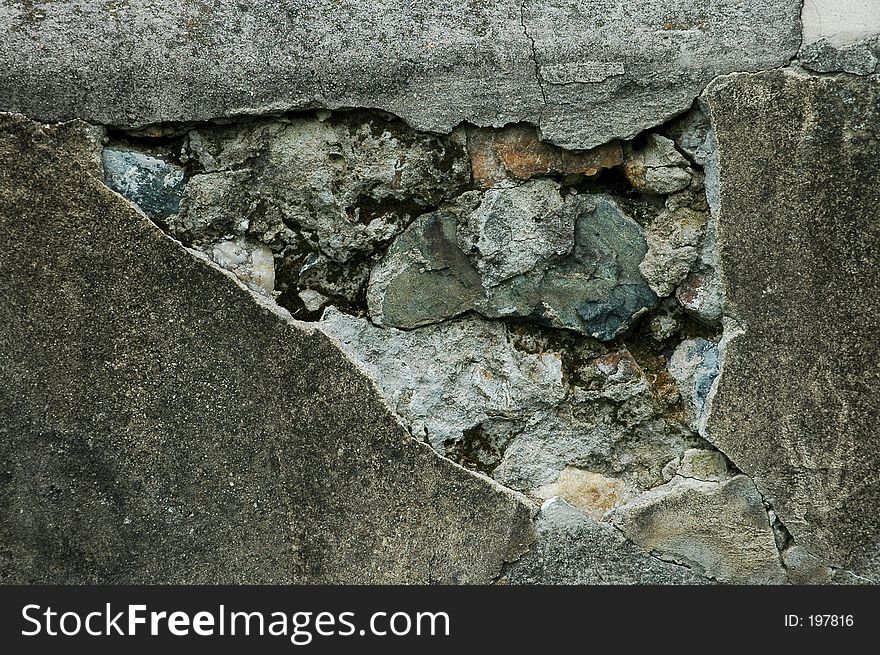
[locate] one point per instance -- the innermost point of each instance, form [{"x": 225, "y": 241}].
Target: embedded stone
[
  {"x": 701, "y": 294},
  {"x": 674, "y": 239},
  {"x": 692, "y": 134},
  {"x": 424, "y": 277},
  {"x": 515, "y": 230},
  {"x": 695, "y": 365},
  {"x": 719, "y": 529},
  {"x": 592, "y": 493},
  {"x": 666, "y": 321},
  {"x": 657, "y": 167},
  {"x": 572, "y": 548},
  {"x": 516, "y": 152},
  {"x": 151, "y": 182},
  {"x": 253, "y": 263},
  {"x": 594, "y": 289}
]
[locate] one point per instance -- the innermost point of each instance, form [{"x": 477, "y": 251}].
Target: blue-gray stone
[
  {"x": 588, "y": 281},
  {"x": 695, "y": 365},
  {"x": 153, "y": 184}
]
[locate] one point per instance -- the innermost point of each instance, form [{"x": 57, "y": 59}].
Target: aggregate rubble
[{"x": 408, "y": 248}]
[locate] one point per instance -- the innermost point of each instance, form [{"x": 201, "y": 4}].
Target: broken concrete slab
[
  {"x": 613, "y": 64},
  {"x": 841, "y": 35},
  {"x": 572, "y": 548},
  {"x": 720, "y": 529},
  {"x": 585, "y": 77},
  {"x": 159, "y": 423},
  {"x": 796, "y": 405}
]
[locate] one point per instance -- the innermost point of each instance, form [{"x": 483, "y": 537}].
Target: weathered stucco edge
[
  {"x": 284, "y": 315},
  {"x": 520, "y": 532},
  {"x": 735, "y": 330}
]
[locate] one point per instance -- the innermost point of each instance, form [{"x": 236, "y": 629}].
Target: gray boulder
[{"x": 580, "y": 272}]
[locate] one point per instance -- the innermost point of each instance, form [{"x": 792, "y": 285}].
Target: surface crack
[
  {"x": 655, "y": 556},
  {"x": 538, "y": 78}
]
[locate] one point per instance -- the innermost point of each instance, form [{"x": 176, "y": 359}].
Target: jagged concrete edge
[
  {"x": 268, "y": 305},
  {"x": 279, "y": 109},
  {"x": 318, "y": 326},
  {"x": 310, "y": 327},
  {"x": 732, "y": 327}
]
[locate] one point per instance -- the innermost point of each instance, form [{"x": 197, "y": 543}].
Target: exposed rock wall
[{"x": 518, "y": 292}]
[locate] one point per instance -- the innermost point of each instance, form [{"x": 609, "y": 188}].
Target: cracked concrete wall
[
  {"x": 517, "y": 292},
  {"x": 584, "y": 72},
  {"x": 804, "y": 299}
]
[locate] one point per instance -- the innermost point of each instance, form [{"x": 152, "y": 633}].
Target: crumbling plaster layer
[
  {"x": 585, "y": 72},
  {"x": 841, "y": 22},
  {"x": 841, "y": 35}
]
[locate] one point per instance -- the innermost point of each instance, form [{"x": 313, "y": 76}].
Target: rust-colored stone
[{"x": 515, "y": 151}]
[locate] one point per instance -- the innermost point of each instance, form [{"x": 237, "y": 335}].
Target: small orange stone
[{"x": 516, "y": 152}]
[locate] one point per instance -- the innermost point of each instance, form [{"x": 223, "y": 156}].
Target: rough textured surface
[
  {"x": 695, "y": 365},
  {"x": 523, "y": 251},
  {"x": 519, "y": 233},
  {"x": 700, "y": 292},
  {"x": 592, "y": 493},
  {"x": 315, "y": 196},
  {"x": 516, "y": 152},
  {"x": 350, "y": 181},
  {"x": 507, "y": 404},
  {"x": 584, "y": 72},
  {"x": 718, "y": 528},
  {"x": 160, "y": 424},
  {"x": 572, "y": 548},
  {"x": 674, "y": 240},
  {"x": 447, "y": 379},
  {"x": 841, "y": 35},
  {"x": 657, "y": 167},
  {"x": 796, "y": 405}
]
